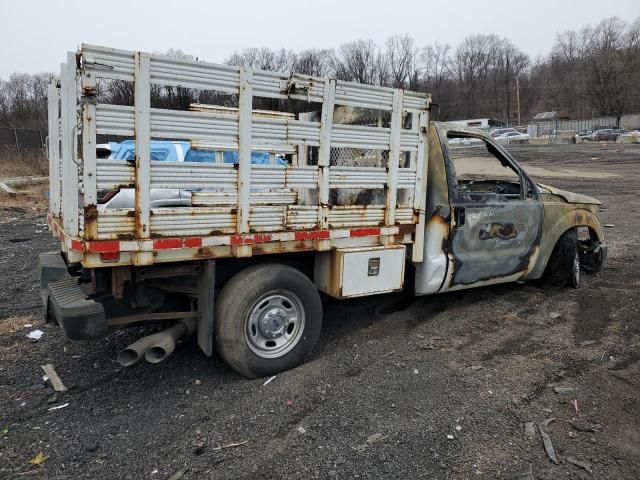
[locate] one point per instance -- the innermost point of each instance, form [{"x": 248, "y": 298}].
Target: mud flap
[{"x": 206, "y": 284}]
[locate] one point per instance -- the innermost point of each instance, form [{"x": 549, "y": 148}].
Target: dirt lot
[{"x": 398, "y": 387}]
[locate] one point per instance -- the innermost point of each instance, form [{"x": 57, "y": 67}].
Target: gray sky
[{"x": 35, "y": 34}]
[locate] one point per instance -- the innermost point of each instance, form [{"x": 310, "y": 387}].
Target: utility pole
[{"x": 518, "y": 97}]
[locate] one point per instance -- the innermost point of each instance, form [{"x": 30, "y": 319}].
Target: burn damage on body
[
  {"x": 495, "y": 238},
  {"x": 503, "y": 249}
]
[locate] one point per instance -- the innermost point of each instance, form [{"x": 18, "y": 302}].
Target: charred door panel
[
  {"x": 496, "y": 212},
  {"x": 493, "y": 237}
]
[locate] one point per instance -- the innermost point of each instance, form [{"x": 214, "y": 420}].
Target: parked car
[
  {"x": 592, "y": 136},
  {"x": 501, "y": 131},
  {"x": 510, "y": 137},
  {"x": 609, "y": 135},
  {"x": 583, "y": 133}
]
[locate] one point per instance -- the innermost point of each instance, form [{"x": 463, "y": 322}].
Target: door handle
[{"x": 460, "y": 216}]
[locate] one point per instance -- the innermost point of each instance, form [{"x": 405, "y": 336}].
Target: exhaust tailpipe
[
  {"x": 166, "y": 342},
  {"x": 158, "y": 346}
]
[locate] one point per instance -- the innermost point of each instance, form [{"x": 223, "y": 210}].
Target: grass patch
[
  {"x": 23, "y": 164},
  {"x": 33, "y": 197},
  {"x": 15, "y": 323}
]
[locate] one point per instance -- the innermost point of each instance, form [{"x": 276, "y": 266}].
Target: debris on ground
[
  {"x": 302, "y": 430},
  {"x": 583, "y": 426},
  {"x": 35, "y": 335},
  {"x": 562, "y": 390},
  {"x": 529, "y": 429},
  {"x": 574, "y": 404},
  {"x": 178, "y": 474},
  {"x": 555, "y": 315},
  {"x": 548, "y": 446},
  {"x": 527, "y": 474},
  {"x": 371, "y": 439},
  {"x": 271, "y": 379},
  {"x": 52, "y": 375},
  {"x": 230, "y": 445},
  {"x": 39, "y": 459},
  {"x": 585, "y": 465},
  {"x": 59, "y": 407},
  {"x": 546, "y": 423}
]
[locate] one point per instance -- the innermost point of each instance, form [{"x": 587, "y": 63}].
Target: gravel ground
[{"x": 398, "y": 387}]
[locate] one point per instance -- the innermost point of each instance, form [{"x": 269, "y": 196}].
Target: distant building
[
  {"x": 551, "y": 116},
  {"x": 484, "y": 123}
]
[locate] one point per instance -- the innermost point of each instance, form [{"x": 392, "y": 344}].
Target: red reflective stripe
[
  {"x": 110, "y": 256},
  {"x": 239, "y": 240},
  {"x": 314, "y": 235},
  {"x": 76, "y": 245},
  {"x": 262, "y": 238},
  {"x": 364, "y": 232},
  {"x": 99, "y": 247},
  {"x": 169, "y": 243}
]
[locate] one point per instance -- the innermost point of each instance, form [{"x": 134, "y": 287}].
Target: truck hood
[{"x": 569, "y": 196}]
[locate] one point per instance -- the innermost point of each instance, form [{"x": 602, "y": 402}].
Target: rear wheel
[{"x": 267, "y": 319}]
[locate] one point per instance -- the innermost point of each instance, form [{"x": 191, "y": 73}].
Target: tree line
[{"x": 594, "y": 71}]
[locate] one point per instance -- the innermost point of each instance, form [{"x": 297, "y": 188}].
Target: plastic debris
[
  {"x": 271, "y": 379},
  {"x": 302, "y": 430},
  {"x": 35, "y": 335},
  {"x": 450, "y": 437},
  {"x": 52, "y": 375},
  {"x": 416, "y": 371},
  {"x": 458, "y": 428},
  {"x": 58, "y": 407}
]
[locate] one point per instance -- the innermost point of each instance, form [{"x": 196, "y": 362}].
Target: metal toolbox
[{"x": 354, "y": 272}]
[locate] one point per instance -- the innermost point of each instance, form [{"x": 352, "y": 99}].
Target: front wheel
[
  {"x": 267, "y": 320},
  {"x": 564, "y": 264}
]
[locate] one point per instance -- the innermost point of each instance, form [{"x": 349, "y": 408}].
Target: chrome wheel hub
[{"x": 275, "y": 324}]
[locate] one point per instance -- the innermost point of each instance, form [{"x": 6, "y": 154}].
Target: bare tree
[
  {"x": 356, "y": 61},
  {"x": 313, "y": 62},
  {"x": 402, "y": 59}
]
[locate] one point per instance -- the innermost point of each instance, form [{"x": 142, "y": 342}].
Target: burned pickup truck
[{"x": 366, "y": 193}]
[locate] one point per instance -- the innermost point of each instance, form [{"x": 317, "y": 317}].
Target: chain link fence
[{"x": 22, "y": 138}]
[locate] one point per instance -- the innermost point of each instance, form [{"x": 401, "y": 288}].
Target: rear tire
[{"x": 267, "y": 320}]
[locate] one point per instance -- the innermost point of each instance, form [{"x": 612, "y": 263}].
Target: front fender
[{"x": 558, "y": 218}]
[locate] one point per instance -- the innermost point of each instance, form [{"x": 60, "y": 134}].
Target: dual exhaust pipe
[{"x": 155, "y": 348}]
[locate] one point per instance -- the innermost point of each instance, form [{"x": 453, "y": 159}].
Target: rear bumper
[{"x": 80, "y": 317}]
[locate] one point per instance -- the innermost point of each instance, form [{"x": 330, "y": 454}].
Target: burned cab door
[{"x": 496, "y": 214}]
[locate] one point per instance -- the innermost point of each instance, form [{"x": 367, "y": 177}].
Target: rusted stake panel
[{"x": 347, "y": 163}]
